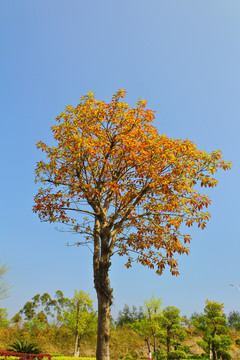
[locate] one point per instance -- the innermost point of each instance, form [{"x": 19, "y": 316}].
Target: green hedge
[{"x": 72, "y": 357}]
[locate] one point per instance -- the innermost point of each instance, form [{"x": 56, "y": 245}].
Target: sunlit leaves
[{"x": 110, "y": 163}]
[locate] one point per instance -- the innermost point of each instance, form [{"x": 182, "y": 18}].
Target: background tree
[
  {"x": 213, "y": 324},
  {"x": 43, "y": 308},
  {"x": 134, "y": 187},
  {"x": 17, "y": 320},
  {"x": 4, "y": 285},
  {"x": 148, "y": 326},
  {"x": 143, "y": 328},
  {"x": 29, "y": 310},
  {"x": 153, "y": 312},
  {"x": 3, "y": 318},
  {"x": 80, "y": 318},
  {"x": 128, "y": 316},
  {"x": 234, "y": 320},
  {"x": 173, "y": 332}
]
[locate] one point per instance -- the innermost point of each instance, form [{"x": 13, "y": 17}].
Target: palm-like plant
[{"x": 22, "y": 346}]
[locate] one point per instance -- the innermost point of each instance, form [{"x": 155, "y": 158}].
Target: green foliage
[
  {"x": 224, "y": 355},
  {"x": 173, "y": 332},
  {"x": 35, "y": 324},
  {"x": 184, "y": 348},
  {"x": 43, "y": 307},
  {"x": 153, "y": 311},
  {"x": 237, "y": 341},
  {"x": 3, "y": 318},
  {"x": 73, "y": 358},
  {"x": 142, "y": 327},
  {"x": 177, "y": 355},
  {"x": 16, "y": 319},
  {"x": 79, "y": 316},
  {"x": 153, "y": 307},
  {"x": 213, "y": 324},
  {"x": 22, "y": 346},
  {"x": 127, "y": 316},
  {"x": 160, "y": 355},
  {"x": 57, "y": 355},
  {"x": 234, "y": 320},
  {"x": 127, "y": 357},
  {"x": 165, "y": 326},
  {"x": 29, "y": 310},
  {"x": 197, "y": 356}
]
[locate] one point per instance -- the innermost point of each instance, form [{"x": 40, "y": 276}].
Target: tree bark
[
  {"x": 148, "y": 345},
  {"x": 101, "y": 265},
  {"x": 77, "y": 345},
  {"x": 102, "y": 352},
  {"x": 214, "y": 357},
  {"x": 168, "y": 339}
]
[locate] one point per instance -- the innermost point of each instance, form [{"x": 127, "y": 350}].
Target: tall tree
[{"x": 134, "y": 187}]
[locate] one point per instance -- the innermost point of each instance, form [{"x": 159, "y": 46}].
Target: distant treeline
[{"x": 72, "y": 323}]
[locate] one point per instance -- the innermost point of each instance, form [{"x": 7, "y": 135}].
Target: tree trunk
[
  {"x": 213, "y": 352},
  {"x": 168, "y": 339},
  {"x": 153, "y": 332},
  {"x": 101, "y": 265},
  {"x": 103, "y": 328},
  {"x": 148, "y": 345},
  {"x": 77, "y": 345},
  {"x": 213, "y": 345}
]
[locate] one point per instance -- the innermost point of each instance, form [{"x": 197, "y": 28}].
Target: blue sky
[{"x": 183, "y": 57}]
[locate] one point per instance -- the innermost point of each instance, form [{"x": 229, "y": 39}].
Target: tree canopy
[{"x": 111, "y": 163}]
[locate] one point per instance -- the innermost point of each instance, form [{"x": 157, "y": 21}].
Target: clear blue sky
[{"x": 183, "y": 56}]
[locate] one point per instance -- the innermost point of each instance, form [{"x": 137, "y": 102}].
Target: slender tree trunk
[
  {"x": 148, "y": 345},
  {"x": 214, "y": 357},
  {"x": 153, "y": 332},
  {"x": 77, "y": 345},
  {"x": 168, "y": 339}
]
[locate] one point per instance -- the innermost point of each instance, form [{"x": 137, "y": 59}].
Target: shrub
[
  {"x": 177, "y": 355},
  {"x": 72, "y": 358},
  {"x": 57, "y": 355},
  {"x": 160, "y": 355},
  {"x": 237, "y": 341},
  {"x": 184, "y": 348},
  {"x": 22, "y": 346},
  {"x": 198, "y": 356},
  {"x": 224, "y": 355},
  {"x": 23, "y": 356},
  {"x": 128, "y": 357}
]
